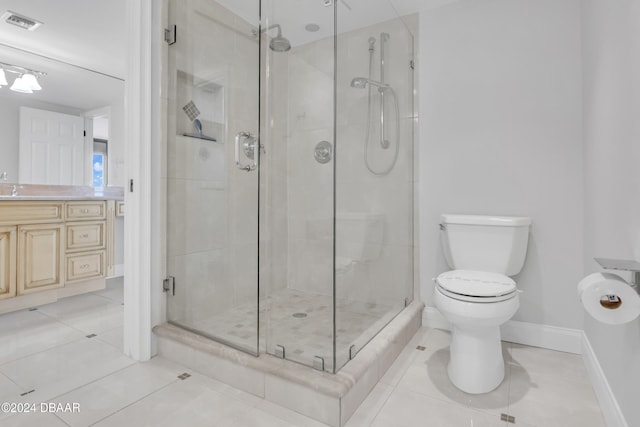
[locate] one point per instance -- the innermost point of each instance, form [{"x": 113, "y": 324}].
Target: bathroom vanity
[{"x": 55, "y": 241}]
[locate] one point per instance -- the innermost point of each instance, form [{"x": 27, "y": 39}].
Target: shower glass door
[{"x": 212, "y": 173}]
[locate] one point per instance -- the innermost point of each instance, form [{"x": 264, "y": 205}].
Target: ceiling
[
  {"x": 294, "y": 15},
  {"x": 89, "y": 34}
]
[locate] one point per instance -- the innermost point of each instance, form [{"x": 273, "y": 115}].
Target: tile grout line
[
  {"x": 63, "y": 421},
  {"x": 40, "y": 351},
  {"x": 73, "y": 327},
  {"x": 135, "y": 401}
]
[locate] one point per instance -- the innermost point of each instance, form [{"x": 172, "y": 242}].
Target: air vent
[{"x": 21, "y": 21}]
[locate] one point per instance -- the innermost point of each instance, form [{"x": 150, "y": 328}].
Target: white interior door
[{"x": 51, "y": 148}]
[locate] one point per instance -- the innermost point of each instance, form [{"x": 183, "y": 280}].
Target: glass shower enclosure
[{"x": 289, "y": 174}]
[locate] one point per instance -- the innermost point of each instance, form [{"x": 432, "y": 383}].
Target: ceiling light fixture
[
  {"x": 26, "y": 80},
  {"x": 19, "y": 85}
]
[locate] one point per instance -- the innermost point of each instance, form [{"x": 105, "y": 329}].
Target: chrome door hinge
[
  {"x": 169, "y": 285},
  {"x": 412, "y": 64},
  {"x": 171, "y": 35}
]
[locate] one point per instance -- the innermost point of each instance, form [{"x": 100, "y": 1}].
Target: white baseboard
[
  {"x": 118, "y": 270},
  {"x": 544, "y": 336},
  {"x": 608, "y": 404}
]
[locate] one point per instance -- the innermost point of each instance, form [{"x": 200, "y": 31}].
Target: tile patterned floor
[
  {"x": 302, "y": 323},
  {"x": 47, "y": 351}
]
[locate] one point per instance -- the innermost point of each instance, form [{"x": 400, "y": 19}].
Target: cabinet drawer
[
  {"x": 82, "y": 236},
  {"x": 12, "y": 213},
  {"x": 86, "y": 210},
  {"x": 85, "y": 266}
]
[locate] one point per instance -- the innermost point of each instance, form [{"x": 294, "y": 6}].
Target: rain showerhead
[
  {"x": 361, "y": 83},
  {"x": 279, "y": 43}
]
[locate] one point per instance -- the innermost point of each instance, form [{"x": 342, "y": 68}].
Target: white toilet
[{"x": 478, "y": 296}]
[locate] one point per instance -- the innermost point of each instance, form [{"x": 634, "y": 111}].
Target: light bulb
[
  {"x": 30, "y": 80},
  {"x": 20, "y": 86}
]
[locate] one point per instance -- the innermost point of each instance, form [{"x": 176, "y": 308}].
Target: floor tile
[
  {"x": 288, "y": 415},
  {"x": 182, "y": 403},
  {"x": 370, "y": 407},
  {"x": 428, "y": 375},
  {"x": 408, "y": 409},
  {"x": 539, "y": 397},
  {"x": 8, "y": 389},
  {"x": 61, "y": 369},
  {"x": 542, "y": 361},
  {"x": 26, "y": 332},
  {"x": 115, "y": 337},
  {"x": 257, "y": 418},
  {"x": 88, "y": 313},
  {"x": 114, "y": 290},
  {"x": 108, "y": 395},
  {"x": 36, "y": 419}
]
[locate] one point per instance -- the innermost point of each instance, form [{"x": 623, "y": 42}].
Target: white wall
[
  {"x": 500, "y": 97},
  {"x": 116, "y": 144},
  {"x": 611, "y": 32}
]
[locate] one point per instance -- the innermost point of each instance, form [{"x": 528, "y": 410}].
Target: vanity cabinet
[
  {"x": 50, "y": 250},
  {"x": 7, "y": 262}
]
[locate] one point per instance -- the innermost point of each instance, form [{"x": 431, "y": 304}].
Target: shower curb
[{"x": 329, "y": 398}]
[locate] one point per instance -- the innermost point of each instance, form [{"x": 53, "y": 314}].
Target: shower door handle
[{"x": 250, "y": 146}]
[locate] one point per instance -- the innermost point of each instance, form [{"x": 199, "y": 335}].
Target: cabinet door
[
  {"x": 39, "y": 257},
  {"x": 7, "y": 262}
]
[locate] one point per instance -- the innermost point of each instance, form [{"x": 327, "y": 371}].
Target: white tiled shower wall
[
  {"x": 212, "y": 230},
  {"x": 307, "y": 236}
]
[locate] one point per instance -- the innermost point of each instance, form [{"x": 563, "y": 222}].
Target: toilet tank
[{"x": 486, "y": 243}]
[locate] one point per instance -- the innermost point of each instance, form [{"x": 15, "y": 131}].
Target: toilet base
[{"x": 476, "y": 364}]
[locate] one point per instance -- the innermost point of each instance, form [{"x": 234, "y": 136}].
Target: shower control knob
[{"x": 323, "y": 152}]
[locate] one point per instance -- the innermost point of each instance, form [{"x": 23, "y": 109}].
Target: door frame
[{"x": 143, "y": 234}]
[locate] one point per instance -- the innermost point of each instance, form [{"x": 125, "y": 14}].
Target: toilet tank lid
[{"x": 500, "y": 221}]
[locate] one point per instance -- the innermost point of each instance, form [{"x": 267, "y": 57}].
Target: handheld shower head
[
  {"x": 361, "y": 83},
  {"x": 372, "y": 42}
]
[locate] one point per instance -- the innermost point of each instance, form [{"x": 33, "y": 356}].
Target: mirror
[{"x": 70, "y": 88}]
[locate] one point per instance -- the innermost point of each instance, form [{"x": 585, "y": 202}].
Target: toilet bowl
[
  {"x": 478, "y": 295},
  {"x": 476, "y": 364}
]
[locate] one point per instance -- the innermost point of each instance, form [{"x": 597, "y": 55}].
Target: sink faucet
[{"x": 14, "y": 191}]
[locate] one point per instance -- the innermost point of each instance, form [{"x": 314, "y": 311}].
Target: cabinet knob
[
  {"x": 83, "y": 266},
  {"x": 85, "y": 210}
]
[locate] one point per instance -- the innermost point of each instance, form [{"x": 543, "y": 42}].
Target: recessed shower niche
[{"x": 200, "y": 105}]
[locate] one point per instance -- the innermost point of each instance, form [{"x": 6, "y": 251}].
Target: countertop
[{"x": 36, "y": 192}]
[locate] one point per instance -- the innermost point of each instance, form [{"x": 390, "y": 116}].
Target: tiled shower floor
[{"x": 302, "y": 323}]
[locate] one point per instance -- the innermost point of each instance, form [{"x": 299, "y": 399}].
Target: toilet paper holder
[{"x": 624, "y": 265}]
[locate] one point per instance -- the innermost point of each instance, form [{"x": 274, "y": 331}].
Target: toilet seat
[{"x": 476, "y": 286}]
